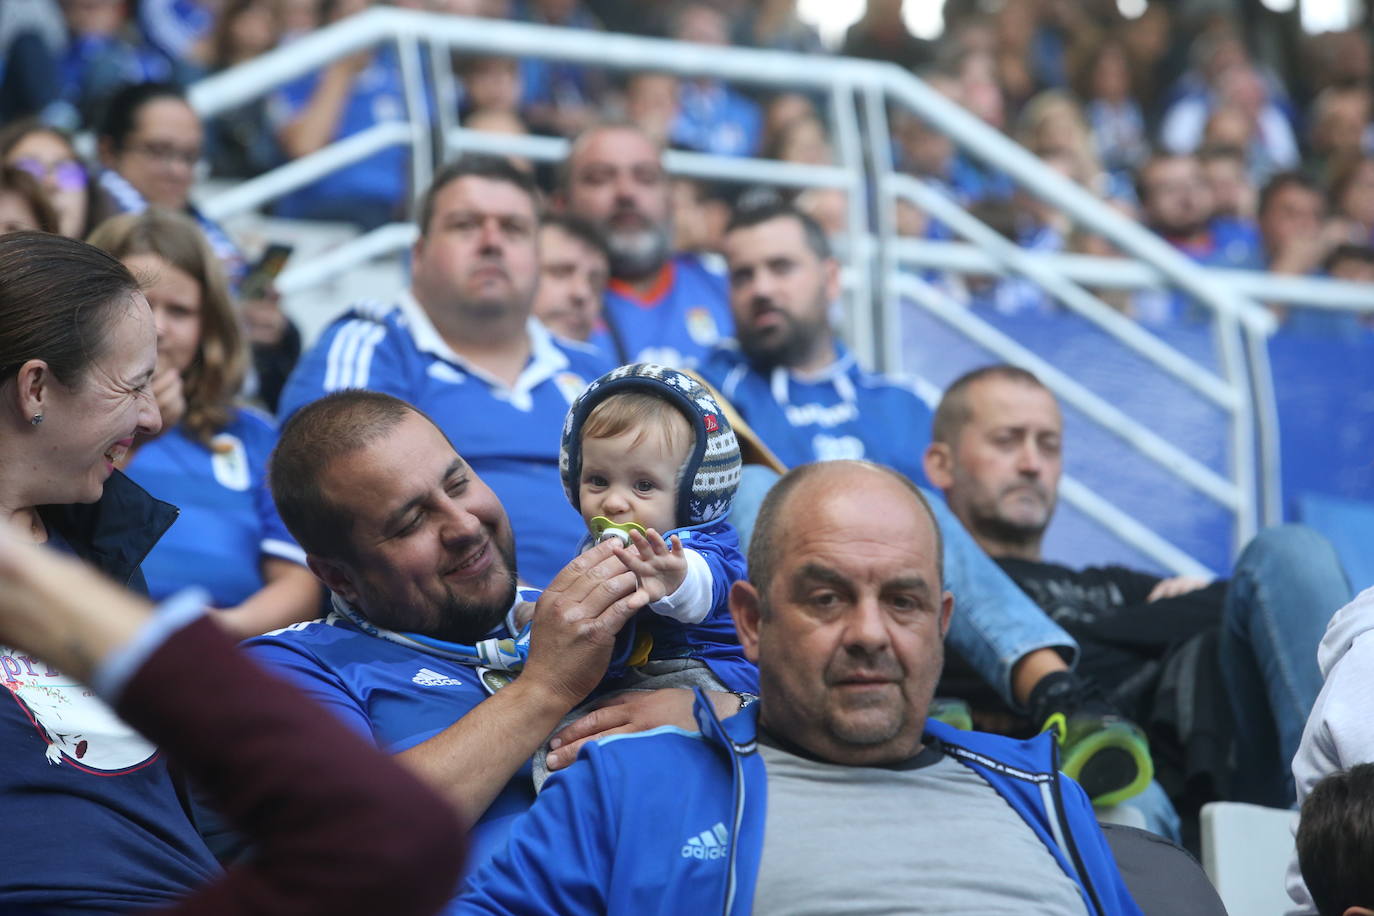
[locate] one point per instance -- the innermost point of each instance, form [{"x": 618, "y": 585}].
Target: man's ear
[
  {"x": 946, "y": 613},
  {"x": 938, "y": 462},
  {"x": 830, "y": 269},
  {"x": 746, "y": 608},
  {"x": 416, "y": 249},
  {"x": 335, "y": 576}
]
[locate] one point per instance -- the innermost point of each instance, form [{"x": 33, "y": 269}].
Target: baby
[{"x": 649, "y": 457}]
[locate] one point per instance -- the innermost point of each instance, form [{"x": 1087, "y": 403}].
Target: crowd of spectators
[{"x": 1171, "y": 117}]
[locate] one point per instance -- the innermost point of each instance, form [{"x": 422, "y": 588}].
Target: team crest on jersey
[
  {"x": 76, "y": 726},
  {"x": 493, "y": 680},
  {"x": 702, "y": 327},
  {"x": 570, "y": 384},
  {"x": 229, "y": 460}
]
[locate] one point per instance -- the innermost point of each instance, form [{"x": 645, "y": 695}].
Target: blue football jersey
[
  {"x": 377, "y": 96},
  {"x": 228, "y": 521},
  {"x": 840, "y": 412},
  {"x": 394, "y": 695},
  {"x": 678, "y": 321}
]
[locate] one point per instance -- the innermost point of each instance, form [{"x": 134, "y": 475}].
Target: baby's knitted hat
[{"x": 707, "y": 485}]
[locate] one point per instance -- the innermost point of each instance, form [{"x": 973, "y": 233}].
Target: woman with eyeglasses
[
  {"x": 151, "y": 142},
  {"x": 48, "y": 155}
]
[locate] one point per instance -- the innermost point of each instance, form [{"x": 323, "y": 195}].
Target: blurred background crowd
[{"x": 1224, "y": 127}]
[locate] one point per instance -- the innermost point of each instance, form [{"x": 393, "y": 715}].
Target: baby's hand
[{"x": 660, "y": 568}]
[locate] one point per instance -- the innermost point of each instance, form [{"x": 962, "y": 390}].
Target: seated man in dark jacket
[{"x": 1154, "y": 644}]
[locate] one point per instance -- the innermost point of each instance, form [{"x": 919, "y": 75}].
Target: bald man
[
  {"x": 660, "y": 307},
  {"x": 845, "y": 614}
]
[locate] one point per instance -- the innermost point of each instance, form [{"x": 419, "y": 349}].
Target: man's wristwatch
[{"x": 745, "y": 700}]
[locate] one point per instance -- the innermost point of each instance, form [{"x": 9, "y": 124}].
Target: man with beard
[
  {"x": 835, "y": 792},
  {"x": 807, "y": 399},
  {"x": 1180, "y": 654},
  {"x": 420, "y": 650},
  {"x": 1176, "y": 202},
  {"x": 800, "y": 389},
  {"x": 660, "y": 307},
  {"x": 462, "y": 345}
]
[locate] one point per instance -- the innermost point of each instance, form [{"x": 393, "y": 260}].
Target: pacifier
[{"x": 604, "y": 529}]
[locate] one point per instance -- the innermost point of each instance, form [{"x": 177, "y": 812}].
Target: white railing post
[{"x": 417, "y": 110}]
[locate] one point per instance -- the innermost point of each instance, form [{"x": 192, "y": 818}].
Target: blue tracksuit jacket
[{"x": 668, "y": 821}]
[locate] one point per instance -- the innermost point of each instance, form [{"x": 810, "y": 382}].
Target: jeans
[
  {"x": 1287, "y": 584},
  {"x": 994, "y": 624}
]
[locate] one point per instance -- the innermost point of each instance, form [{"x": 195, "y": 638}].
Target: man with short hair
[
  {"x": 428, "y": 625},
  {"x": 845, "y": 613},
  {"x": 462, "y": 345},
  {"x": 997, "y": 456},
  {"x": 574, "y": 265},
  {"x": 1176, "y": 202},
  {"x": 805, "y": 396},
  {"x": 1334, "y": 842},
  {"x": 660, "y": 307},
  {"x": 1299, "y": 239}
]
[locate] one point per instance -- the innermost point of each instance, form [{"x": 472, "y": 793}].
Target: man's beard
[
  {"x": 998, "y": 528},
  {"x": 789, "y": 344},
  {"x": 637, "y": 253},
  {"x": 452, "y": 618},
  {"x": 463, "y": 621}
]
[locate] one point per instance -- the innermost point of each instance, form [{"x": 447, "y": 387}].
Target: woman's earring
[{"x": 36, "y": 419}]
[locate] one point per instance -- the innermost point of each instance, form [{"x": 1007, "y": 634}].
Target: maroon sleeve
[{"x": 338, "y": 826}]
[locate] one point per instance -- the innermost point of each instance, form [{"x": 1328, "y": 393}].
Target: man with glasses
[{"x": 150, "y": 143}]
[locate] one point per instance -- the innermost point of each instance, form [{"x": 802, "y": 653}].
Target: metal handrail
[
  {"x": 1110, "y": 418},
  {"x": 303, "y": 171},
  {"x": 1026, "y": 262},
  {"x": 1126, "y": 274}
]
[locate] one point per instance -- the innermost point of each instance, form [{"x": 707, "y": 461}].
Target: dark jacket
[{"x": 115, "y": 533}]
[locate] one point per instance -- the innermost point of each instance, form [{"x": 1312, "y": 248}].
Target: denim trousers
[{"x": 1286, "y": 585}]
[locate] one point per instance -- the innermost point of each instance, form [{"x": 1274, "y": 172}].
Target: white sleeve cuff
[
  {"x": 116, "y": 669},
  {"x": 285, "y": 550},
  {"x": 692, "y": 600}
]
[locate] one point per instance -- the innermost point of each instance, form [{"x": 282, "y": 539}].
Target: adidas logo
[
  {"x": 709, "y": 844},
  {"x": 427, "y": 678}
]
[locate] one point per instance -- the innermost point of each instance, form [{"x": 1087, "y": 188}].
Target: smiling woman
[
  {"x": 78, "y": 350},
  {"x": 77, "y": 353}
]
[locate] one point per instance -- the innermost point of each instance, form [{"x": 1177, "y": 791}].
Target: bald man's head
[{"x": 808, "y": 480}]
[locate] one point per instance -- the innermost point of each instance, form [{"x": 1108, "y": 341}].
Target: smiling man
[
  {"x": 418, "y": 652},
  {"x": 462, "y": 345},
  {"x": 845, "y": 614}
]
